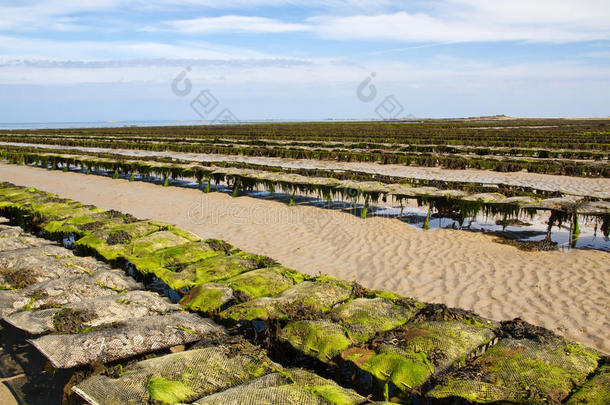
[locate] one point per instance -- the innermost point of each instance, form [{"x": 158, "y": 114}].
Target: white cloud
[
  {"x": 478, "y": 21},
  {"x": 12, "y": 47},
  {"x": 234, "y": 23}
]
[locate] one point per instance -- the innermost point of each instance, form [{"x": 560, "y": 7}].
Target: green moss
[
  {"x": 76, "y": 223},
  {"x": 524, "y": 370},
  {"x": 314, "y": 296},
  {"x": 473, "y": 391},
  {"x": 266, "y": 282},
  {"x": 207, "y": 298},
  {"x": 364, "y": 317},
  {"x": 98, "y": 240},
  {"x": 335, "y": 281},
  {"x": 321, "y": 339},
  {"x": 421, "y": 350},
  {"x": 332, "y": 394},
  {"x": 405, "y": 372},
  {"x": 168, "y": 391},
  {"x": 580, "y": 350},
  {"x": 216, "y": 267},
  {"x": 109, "y": 287},
  {"x": 596, "y": 391},
  {"x": 388, "y": 295},
  {"x": 426, "y": 226}
]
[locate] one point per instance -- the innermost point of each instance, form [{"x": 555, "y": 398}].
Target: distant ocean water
[{"x": 115, "y": 124}]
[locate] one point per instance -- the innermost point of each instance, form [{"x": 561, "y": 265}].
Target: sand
[
  {"x": 597, "y": 187},
  {"x": 6, "y": 397},
  {"x": 565, "y": 292}
]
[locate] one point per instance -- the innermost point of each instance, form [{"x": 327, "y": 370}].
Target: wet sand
[
  {"x": 566, "y": 292},
  {"x": 597, "y": 187}
]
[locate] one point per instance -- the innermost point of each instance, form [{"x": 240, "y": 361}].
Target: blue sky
[{"x": 97, "y": 60}]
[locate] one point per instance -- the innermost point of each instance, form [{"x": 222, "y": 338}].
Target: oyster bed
[{"x": 376, "y": 344}]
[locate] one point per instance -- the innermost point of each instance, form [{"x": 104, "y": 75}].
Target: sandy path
[
  {"x": 598, "y": 187},
  {"x": 565, "y": 292}
]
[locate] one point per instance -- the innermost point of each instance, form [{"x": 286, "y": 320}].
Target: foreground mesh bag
[
  {"x": 520, "y": 370},
  {"x": 180, "y": 377},
  {"x": 23, "y": 267},
  {"x": 123, "y": 340},
  {"x": 291, "y": 387},
  {"x": 410, "y": 355},
  {"x": 364, "y": 317},
  {"x": 318, "y": 296},
  {"x": 66, "y": 290},
  {"x": 84, "y": 315},
  {"x": 596, "y": 391},
  {"x": 250, "y": 285},
  {"x": 115, "y": 241}
]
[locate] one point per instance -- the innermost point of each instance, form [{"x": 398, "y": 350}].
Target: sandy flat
[
  {"x": 566, "y": 292},
  {"x": 597, "y": 187}
]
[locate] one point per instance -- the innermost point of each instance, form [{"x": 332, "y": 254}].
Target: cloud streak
[{"x": 235, "y": 24}]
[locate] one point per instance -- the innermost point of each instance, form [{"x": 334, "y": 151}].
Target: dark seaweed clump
[
  {"x": 71, "y": 320},
  {"x": 19, "y": 278},
  {"x": 545, "y": 245},
  {"x": 220, "y": 245},
  {"x": 519, "y": 329},
  {"x": 440, "y": 312},
  {"x": 118, "y": 237}
]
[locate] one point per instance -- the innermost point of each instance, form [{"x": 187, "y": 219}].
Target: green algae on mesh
[
  {"x": 363, "y": 317},
  {"x": 325, "y": 389},
  {"x": 168, "y": 391},
  {"x": 321, "y": 339},
  {"x": 406, "y": 371},
  {"x": 266, "y": 281},
  {"x": 521, "y": 370},
  {"x": 142, "y": 252},
  {"x": 213, "y": 269},
  {"x": 290, "y": 387},
  {"x": 69, "y": 226},
  {"x": 333, "y": 394},
  {"x": 596, "y": 391},
  {"x": 98, "y": 241},
  {"x": 317, "y": 296},
  {"x": 176, "y": 265},
  {"x": 335, "y": 281},
  {"x": 410, "y": 355},
  {"x": 388, "y": 295},
  {"x": 207, "y": 298}
]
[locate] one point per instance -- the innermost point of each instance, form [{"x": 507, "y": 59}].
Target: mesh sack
[
  {"x": 66, "y": 290},
  {"x": 115, "y": 241},
  {"x": 520, "y": 370},
  {"x": 209, "y": 270},
  {"x": 293, "y": 387},
  {"x": 179, "y": 377},
  {"x": 21, "y": 242},
  {"x": 318, "y": 296},
  {"x": 124, "y": 340},
  {"x": 24, "y": 267},
  {"x": 7, "y": 231},
  {"x": 321, "y": 339},
  {"x": 596, "y": 391},
  {"x": 364, "y": 317},
  {"x": 410, "y": 355},
  {"x": 91, "y": 313}
]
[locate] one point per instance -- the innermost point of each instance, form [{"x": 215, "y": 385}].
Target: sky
[{"x": 219, "y": 61}]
